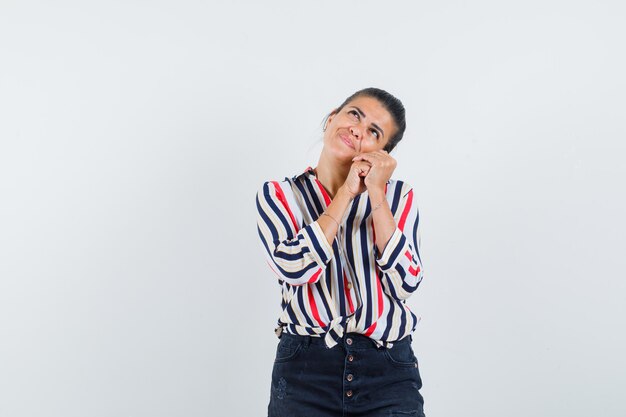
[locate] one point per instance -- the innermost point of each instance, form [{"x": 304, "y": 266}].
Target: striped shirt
[{"x": 349, "y": 286}]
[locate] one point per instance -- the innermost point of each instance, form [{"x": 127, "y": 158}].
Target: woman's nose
[{"x": 355, "y": 132}]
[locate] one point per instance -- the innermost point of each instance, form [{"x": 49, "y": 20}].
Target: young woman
[{"x": 343, "y": 241}]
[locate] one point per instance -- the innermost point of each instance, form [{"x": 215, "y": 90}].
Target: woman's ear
[{"x": 330, "y": 118}]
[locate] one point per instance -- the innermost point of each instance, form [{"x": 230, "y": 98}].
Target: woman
[{"x": 343, "y": 241}]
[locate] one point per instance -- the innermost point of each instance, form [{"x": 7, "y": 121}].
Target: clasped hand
[{"x": 370, "y": 171}]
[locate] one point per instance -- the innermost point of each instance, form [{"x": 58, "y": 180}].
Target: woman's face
[{"x": 362, "y": 125}]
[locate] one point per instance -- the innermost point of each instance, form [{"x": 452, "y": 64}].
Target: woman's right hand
[{"x": 355, "y": 182}]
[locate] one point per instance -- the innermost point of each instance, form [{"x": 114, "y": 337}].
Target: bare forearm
[
  {"x": 336, "y": 210},
  {"x": 384, "y": 223}
]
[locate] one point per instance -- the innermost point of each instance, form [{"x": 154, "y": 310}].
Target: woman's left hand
[{"x": 383, "y": 166}]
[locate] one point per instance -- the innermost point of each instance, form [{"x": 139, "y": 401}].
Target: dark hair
[{"x": 389, "y": 102}]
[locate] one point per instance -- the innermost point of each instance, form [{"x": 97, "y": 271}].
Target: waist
[{"x": 351, "y": 340}]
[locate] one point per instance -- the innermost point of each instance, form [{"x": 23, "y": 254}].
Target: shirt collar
[{"x": 308, "y": 173}]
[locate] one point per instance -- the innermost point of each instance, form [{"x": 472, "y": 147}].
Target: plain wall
[{"x": 134, "y": 136}]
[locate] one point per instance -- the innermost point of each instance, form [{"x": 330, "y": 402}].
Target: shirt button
[
  {"x": 350, "y": 358},
  {"x": 349, "y": 285},
  {"x": 349, "y": 393},
  {"x": 350, "y": 377},
  {"x": 349, "y": 341}
]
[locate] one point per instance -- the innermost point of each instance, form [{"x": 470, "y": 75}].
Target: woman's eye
[
  {"x": 375, "y": 132},
  {"x": 354, "y": 113}
]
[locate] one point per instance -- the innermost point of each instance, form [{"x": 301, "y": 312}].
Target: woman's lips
[{"x": 347, "y": 141}]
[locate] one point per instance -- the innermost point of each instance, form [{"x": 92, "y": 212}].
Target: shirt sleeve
[
  {"x": 297, "y": 255},
  {"x": 400, "y": 261}
]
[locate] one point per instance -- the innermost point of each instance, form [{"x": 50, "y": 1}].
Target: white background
[{"x": 134, "y": 136}]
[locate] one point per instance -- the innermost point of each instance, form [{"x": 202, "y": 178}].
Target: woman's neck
[{"x": 331, "y": 173}]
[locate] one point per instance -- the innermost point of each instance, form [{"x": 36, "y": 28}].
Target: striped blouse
[{"x": 348, "y": 286}]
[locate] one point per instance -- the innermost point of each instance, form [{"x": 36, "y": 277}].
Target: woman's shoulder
[
  {"x": 395, "y": 185},
  {"x": 278, "y": 197},
  {"x": 278, "y": 191},
  {"x": 273, "y": 185}
]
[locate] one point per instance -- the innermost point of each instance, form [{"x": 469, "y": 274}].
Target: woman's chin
[
  {"x": 344, "y": 152},
  {"x": 345, "y": 157}
]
